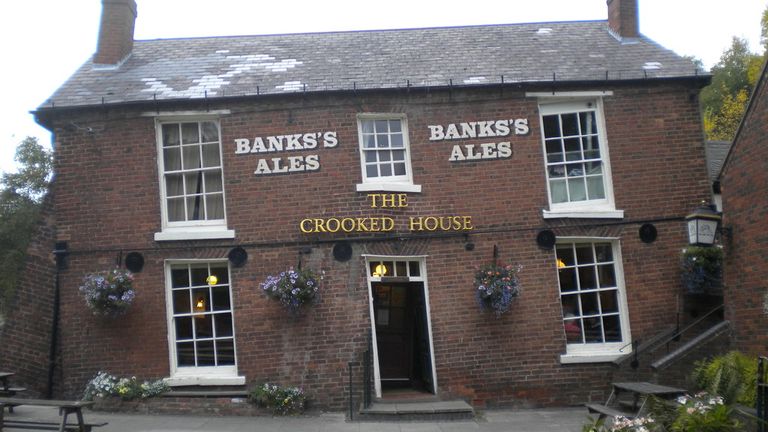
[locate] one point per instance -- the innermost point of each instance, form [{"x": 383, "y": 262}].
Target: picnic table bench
[
  {"x": 65, "y": 409},
  {"x": 5, "y": 387},
  {"x": 640, "y": 392}
]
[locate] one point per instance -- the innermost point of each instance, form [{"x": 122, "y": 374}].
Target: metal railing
[
  {"x": 762, "y": 394},
  {"x": 367, "y": 382}
]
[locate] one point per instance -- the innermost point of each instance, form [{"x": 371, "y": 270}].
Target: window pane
[
  {"x": 211, "y": 155},
  {"x": 170, "y": 134},
  {"x": 189, "y": 133},
  {"x": 371, "y": 156},
  {"x": 594, "y": 167},
  {"x": 195, "y": 210},
  {"x": 567, "y": 278},
  {"x": 386, "y": 170},
  {"x": 595, "y": 187},
  {"x": 203, "y": 326},
  {"x": 176, "y": 210},
  {"x": 570, "y": 124},
  {"x": 183, "y": 327},
  {"x": 556, "y": 171},
  {"x": 399, "y": 169},
  {"x": 565, "y": 253},
  {"x": 367, "y": 126},
  {"x": 572, "y": 329},
  {"x": 603, "y": 252},
  {"x": 606, "y": 275},
  {"x": 593, "y": 330},
  {"x": 385, "y": 156},
  {"x": 191, "y": 157},
  {"x": 591, "y": 147},
  {"x": 572, "y": 149},
  {"x": 589, "y": 305},
  {"x": 199, "y": 274},
  {"x": 215, "y": 204},
  {"x": 398, "y": 155},
  {"x": 210, "y": 132},
  {"x": 205, "y": 354},
  {"x": 382, "y": 141},
  {"x": 382, "y": 126},
  {"x": 577, "y": 190},
  {"x": 414, "y": 268},
  {"x": 201, "y": 301},
  {"x": 396, "y": 140},
  {"x": 179, "y": 277},
  {"x": 575, "y": 170},
  {"x": 400, "y": 270},
  {"x": 223, "y": 323},
  {"x": 185, "y": 353},
  {"x": 225, "y": 352},
  {"x": 608, "y": 301},
  {"x": 181, "y": 304},
  {"x": 554, "y": 151},
  {"x": 174, "y": 185},
  {"x": 172, "y": 158},
  {"x": 559, "y": 191},
  {"x": 587, "y": 279},
  {"x": 369, "y": 141},
  {"x": 584, "y": 254},
  {"x": 395, "y": 126},
  {"x": 612, "y": 327},
  {"x": 221, "y": 271},
  {"x": 588, "y": 123},
  {"x": 221, "y": 298},
  {"x": 371, "y": 171},
  {"x": 193, "y": 183},
  {"x": 551, "y": 126},
  {"x": 571, "y": 306},
  {"x": 213, "y": 181}
]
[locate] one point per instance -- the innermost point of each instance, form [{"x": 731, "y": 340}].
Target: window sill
[
  {"x": 583, "y": 214},
  {"x": 178, "y": 381},
  {"x": 589, "y": 358},
  {"x": 194, "y": 234},
  {"x": 388, "y": 187}
]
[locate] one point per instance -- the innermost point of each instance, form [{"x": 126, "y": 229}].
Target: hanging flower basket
[
  {"x": 496, "y": 287},
  {"x": 292, "y": 288},
  {"x": 702, "y": 269},
  {"x": 109, "y": 293}
]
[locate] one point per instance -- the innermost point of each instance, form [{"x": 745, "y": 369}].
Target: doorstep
[{"x": 417, "y": 410}]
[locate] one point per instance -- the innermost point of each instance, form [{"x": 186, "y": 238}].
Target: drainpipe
[{"x": 60, "y": 252}]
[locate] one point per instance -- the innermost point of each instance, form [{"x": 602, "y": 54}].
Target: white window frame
[
  {"x": 188, "y": 230},
  {"x": 564, "y": 103},
  {"x": 606, "y": 351},
  {"x": 391, "y": 183},
  {"x": 193, "y": 375}
]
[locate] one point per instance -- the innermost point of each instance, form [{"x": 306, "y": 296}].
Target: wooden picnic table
[
  {"x": 65, "y": 407},
  {"x": 640, "y": 392},
  {"x": 4, "y": 384}
]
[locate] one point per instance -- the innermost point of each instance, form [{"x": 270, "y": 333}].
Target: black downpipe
[{"x": 60, "y": 252}]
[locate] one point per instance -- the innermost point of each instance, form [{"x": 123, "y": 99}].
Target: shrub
[
  {"x": 732, "y": 376},
  {"x": 281, "y": 400},
  {"x": 704, "y": 413}
]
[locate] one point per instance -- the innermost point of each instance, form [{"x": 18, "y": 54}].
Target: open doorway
[{"x": 402, "y": 333}]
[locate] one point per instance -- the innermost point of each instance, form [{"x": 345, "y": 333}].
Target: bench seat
[
  {"x": 38, "y": 425},
  {"x": 606, "y": 411}
]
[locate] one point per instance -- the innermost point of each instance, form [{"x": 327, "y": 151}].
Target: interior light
[
  {"x": 560, "y": 263},
  {"x": 212, "y": 280},
  {"x": 380, "y": 270},
  {"x": 200, "y": 304}
]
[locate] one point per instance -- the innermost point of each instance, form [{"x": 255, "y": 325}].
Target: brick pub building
[{"x": 395, "y": 163}]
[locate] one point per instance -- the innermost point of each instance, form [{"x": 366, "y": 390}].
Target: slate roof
[
  {"x": 716, "y": 152},
  {"x": 433, "y": 57}
]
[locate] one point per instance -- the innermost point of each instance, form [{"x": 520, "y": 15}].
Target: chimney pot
[
  {"x": 623, "y": 18},
  {"x": 118, "y": 18}
]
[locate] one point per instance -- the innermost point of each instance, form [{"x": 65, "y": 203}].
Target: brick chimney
[
  {"x": 623, "y": 18},
  {"x": 116, "y": 31}
]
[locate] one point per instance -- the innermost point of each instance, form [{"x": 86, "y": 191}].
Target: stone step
[
  {"x": 417, "y": 410},
  {"x": 606, "y": 411}
]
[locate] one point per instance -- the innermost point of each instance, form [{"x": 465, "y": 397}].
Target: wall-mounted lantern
[{"x": 702, "y": 225}]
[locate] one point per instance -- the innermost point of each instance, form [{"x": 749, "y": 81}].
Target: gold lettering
[
  {"x": 414, "y": 224},
  {"x": 402, "y": 200},
  {"x": 375, "y": 225},
  {"x": 387, "y": 200},
  {"x": 328, "y": 225},
  {"x": 387, "y": 224},
  {"x": 468, "y": 223},
  {"x": 319, "y": 225},
  {"x": 361, "y": 224},
  {"x": 427, "y": 221},
  {"x": 301, "y": 226},
  {"x": 373, "y": 199},
  {"x": 344, "y": 226}
]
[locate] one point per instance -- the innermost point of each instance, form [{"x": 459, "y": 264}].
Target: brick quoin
[{"x": 107, "y": 202}]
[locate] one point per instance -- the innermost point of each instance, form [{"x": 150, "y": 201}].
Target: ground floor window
[
  {"x": 592, "y": 296},
  {"x": 201, "y": 329}
]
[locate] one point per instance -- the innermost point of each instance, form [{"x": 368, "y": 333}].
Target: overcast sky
[{"x": 45, "y": 41}]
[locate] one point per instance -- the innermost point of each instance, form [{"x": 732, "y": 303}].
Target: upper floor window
[
  {"x": 192, "y": 184},
  {"x": 577, "y": 163},
  {"x": 384, "y": 153}
]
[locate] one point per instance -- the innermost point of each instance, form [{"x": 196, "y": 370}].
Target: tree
[
  {"x": 21, "y": 196},
  {"x": 733, "y": 78}
]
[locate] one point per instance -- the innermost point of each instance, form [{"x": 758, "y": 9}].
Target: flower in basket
[
  {"x": 702, "y": 269},
  {"x": 108, "y": 293},
  {"x": 292, "y": 288},
  {"x": 496, "y": 287}
]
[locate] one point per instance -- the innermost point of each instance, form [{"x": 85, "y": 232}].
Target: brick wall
[
  {"x": 107, "y": 203},
  {"x": 25, "y": 339},
  {"x": 745, "y": 207}
]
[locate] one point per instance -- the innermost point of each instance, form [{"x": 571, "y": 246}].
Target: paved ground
[{"x": 535, "y": 420}]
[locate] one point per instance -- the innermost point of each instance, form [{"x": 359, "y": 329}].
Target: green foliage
[
  {"x": 21, "y": 194},
  {"x": 622, "y": 424},
  {"x": 704, "y": 413},
  {"x": 281, "y": 400},
  {"x": 732, "y": 376}
]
